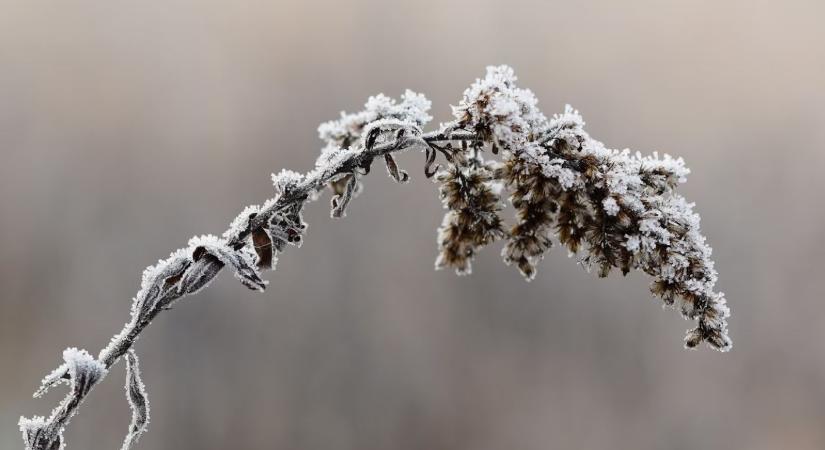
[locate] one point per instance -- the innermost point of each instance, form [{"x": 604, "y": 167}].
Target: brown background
[{"x": 126, "y": 127}]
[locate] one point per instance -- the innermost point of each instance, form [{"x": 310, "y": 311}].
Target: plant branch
[
  {"x": 621, "y": 210},
  {"x": 207, "y": 268}
]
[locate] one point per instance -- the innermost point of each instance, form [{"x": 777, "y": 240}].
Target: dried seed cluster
[
  {"x": 470, "y": 193},
  {"x": 616, "y": 209},
  {"x": 613, "y": 208}
]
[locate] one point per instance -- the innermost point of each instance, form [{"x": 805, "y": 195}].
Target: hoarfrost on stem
[
  {"x": 614, "y": 208},
  {"x": 81, "y": 372}
]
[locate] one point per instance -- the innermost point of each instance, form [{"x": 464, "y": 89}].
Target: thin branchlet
[{"x": 617, "y": 210}]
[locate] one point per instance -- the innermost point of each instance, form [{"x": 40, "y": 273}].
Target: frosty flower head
[
  {"x": 499, "y": 111},
  {"x": 616, "y": 209},
  {"x": 471, "y": 196}
]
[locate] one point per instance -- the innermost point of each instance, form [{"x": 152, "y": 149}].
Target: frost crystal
[
  {"x": 497, "y": 109},
  {"x": 37, "y": 434},
  {"x": 347, "y": 130},
  {"x": 81, "y": 372},
  {"x": 330, "y": 160},
  {"x": 83, "y": 369},
  {"x": 242, "y": 260},
  {"x": 285, "y": 180},
  {"x": 383, "y": 120},
  {"x": 611, "y": 208},
  {"x": 240, "y": 224}
]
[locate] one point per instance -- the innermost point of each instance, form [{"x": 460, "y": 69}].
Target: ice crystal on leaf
[
  {"x": 286, "y": 180},
  {"x": 138, "y": 401},
  {"x": 242, "y": 261},
  {"x": 383, "y": 121},
  {"x": 240, "y": 224},
  {"x": 81, "y": 372},
  {"x": 344, "y": 132}
]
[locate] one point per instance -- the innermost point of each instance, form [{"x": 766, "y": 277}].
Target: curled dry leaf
[
  {"x": 340, "y": 202},
  {"x": 82, "y": 372},
  {"x": 399, "y": 176},
  {"x": 138, "y": 401},
  {"x": 240, "y": 260},
  {"x": 262, "y": 243}
]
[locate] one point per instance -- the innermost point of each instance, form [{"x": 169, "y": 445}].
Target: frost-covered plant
[{"x": 614, "y": 208}]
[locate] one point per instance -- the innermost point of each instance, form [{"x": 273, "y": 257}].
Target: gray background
[{"x": 127, "y": 127}]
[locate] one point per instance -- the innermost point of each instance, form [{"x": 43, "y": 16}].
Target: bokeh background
[{"x": 127, "y": 127}]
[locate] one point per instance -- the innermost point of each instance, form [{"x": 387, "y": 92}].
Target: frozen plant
[{"x": 615, "y": 209}]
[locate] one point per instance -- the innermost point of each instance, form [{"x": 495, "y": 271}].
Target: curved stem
[{"x": 208, "y": 268}]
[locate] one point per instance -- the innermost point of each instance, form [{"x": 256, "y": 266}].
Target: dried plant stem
[
  {"x": 211, "y": 267},
  {"x": 621, "y": 210},
  {"x": 208, "y": 268}
]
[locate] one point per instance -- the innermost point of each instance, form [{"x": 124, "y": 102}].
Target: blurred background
[{"x": 127, "y": 127}]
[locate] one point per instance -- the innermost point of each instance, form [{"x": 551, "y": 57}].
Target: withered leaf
[
  {"x": 262, "y": 244},
  {"x": 239, "y": 259},
  {"x": 340, "y": 202},
  {"x": 392, "y": 167},
  {"x": 138, "y": 400}
]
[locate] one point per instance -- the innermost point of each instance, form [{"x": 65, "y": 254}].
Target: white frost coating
[
  {"x": 242, "y": 261},
  {"x": 345, "y": 131},
  {"x": 620, "y": 208},
  {"x": 387, "y": 125},
  {"x": 57, "y": 376},
  {"x": 644, "y": 186},
  {"x": 81, "y": 365},
  {"x": 151, "y": 281},
  {"x": 83, "y": 371},
  {"x": 163, "y": 266},
  {"x": 611, "y": 208},
  {"x": 570, "y": 118},
  {"x": 342, "y": 135},
  {"x": 330, "y": 160},
  {"x": 651, "y": 221},
  {"x": 632, "y": 243},
  {"x": 138, "y": 400},
  {"x": 513, "y": 111},
  {"x": 241, "y": 222},
  {"x": 552, "y": 167},
  {"x": 285, "y": 179},
  {"x": 35, "y": 429}
]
